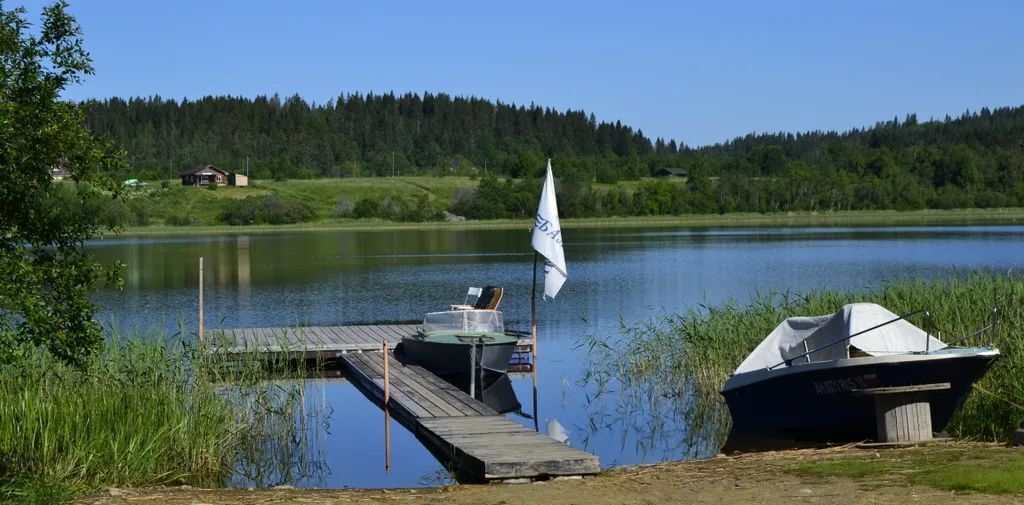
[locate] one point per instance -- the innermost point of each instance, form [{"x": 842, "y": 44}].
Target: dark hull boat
[
  {"x": 806, "y": 381},
  {"x": 448, "y": 354},
  {"x": 457, "y": 343},
  {"x": 815, "y": 401}
]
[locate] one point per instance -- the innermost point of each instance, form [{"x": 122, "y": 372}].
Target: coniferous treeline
[
  {"x": 372, "y": 134},
  {"x": 974, "y": 160}
]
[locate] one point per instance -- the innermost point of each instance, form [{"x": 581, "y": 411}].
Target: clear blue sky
[{"x": 699, "y": 73}]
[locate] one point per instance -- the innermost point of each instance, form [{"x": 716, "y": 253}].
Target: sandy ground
[{"x": 759, "y": 478}]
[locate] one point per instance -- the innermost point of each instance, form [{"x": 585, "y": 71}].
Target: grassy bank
[
  {"x": 138, "y": 414},
  {"x": 694, "y": 353},
  {"x": 948, "y": 473},
  {"x": 797, "y": 219}
]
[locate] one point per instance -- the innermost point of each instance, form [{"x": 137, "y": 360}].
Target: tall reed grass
[
  {"x": 141, "y": 413},
  {"x": 683, "y": 360}
]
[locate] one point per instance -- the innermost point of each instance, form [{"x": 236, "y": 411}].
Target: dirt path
[{"x": 761, "y": 478}]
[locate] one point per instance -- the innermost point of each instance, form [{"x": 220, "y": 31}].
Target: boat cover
[{"x": 797, "y": 335}]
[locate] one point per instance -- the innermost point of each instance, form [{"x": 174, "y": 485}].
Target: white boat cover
[{"x": 797, "y": 335}]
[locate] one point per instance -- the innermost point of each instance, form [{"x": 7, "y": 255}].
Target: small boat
[
  {"x": 451, "y": 343},
  {"x": 802, "y": 381}
]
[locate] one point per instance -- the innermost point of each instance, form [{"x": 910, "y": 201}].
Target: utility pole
[{"x": 392, "y": 163}]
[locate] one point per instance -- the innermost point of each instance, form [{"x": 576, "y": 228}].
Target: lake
[{"x": 629, "y": 275}]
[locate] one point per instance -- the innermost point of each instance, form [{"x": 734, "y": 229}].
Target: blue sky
[{"x": 699, "y": 73}]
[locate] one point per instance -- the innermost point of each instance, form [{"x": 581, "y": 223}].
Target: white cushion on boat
[{"x": 787, "y": 340}]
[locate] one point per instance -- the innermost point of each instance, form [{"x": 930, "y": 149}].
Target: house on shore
[
  {"x": 61, "y": 171},
  {"x": 205, "y": 175},
  {"x": 671, "y": 172}
]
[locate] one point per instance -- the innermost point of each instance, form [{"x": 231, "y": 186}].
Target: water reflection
[
  {"x": 290, "y": 419},
  {"x": 496, "y": 392}
]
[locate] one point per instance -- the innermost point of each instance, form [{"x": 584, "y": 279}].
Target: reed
[
  {"x": 686, "y": 358},
  {"x": 140, "y": 413}
]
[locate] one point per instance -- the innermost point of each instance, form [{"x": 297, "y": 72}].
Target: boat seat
[
  {"x": 465, "y": 305},
  {"x": 490, "y": 298}
]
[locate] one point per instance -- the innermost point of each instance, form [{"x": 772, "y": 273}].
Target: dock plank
[{"x": 372, "y": 366}]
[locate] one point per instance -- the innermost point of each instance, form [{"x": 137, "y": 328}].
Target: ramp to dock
[{"x": 480, "y": 444}]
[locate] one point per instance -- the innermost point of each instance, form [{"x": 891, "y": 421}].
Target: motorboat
[
  {"x": 804, "y": 380},
  {"x": 465, "y": 340},
  {"x": 460, "y": 342}
]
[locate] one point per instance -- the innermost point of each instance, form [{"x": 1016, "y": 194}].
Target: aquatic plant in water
[{"x": 144, "y": 412}]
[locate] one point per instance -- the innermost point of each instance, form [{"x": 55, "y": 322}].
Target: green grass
[
  {"x": 970, "y": 467},
  {"x": 322, "y": 195},
  {"x": 691, "y": 355},
  {"x": 850, "y": 218},
  {"x": 141, "y": 413}
]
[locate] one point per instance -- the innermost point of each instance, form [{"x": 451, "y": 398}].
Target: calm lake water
[{"x": 615, "y": 275}]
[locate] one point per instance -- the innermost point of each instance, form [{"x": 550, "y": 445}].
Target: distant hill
[{"x": 974, "y": 160}]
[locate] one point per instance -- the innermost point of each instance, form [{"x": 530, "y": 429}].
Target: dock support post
[
  {"x": 387, "y": 381},
  {"x": 202, "y": 328},
  {"x": 387, "y": 412}
]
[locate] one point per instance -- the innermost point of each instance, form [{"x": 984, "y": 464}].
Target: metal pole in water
[
  {"x": 480, "y": 369},
  {"x": 202, "y": 328},
  {"x": 472, "y": 369},
  {"x": 533, "y": 348}
]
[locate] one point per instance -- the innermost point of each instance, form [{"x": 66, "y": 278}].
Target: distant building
[
  {"x": 671, "y": 172},
  {"x": 238, "y": 179},
  {"x": 204, "y": 175},
  {"x": 61, "y": 171}
]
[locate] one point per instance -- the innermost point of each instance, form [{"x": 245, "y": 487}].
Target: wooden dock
[
  {"x": 472, "y": 439},
  {"x": 480, "y": 444},
  {"x": 325, "y": 342}
]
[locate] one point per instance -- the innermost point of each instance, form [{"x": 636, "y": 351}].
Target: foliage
[
  {"x": 266, "y": 209},
  {"x": 976, "y": 159},
  {"x": 691, "y": 355},
  {"x": 45, "y": 275}
]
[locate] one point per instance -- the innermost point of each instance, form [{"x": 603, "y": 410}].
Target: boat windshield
[{"x": 464, "y": 320}]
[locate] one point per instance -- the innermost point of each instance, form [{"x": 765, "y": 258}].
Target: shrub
[
  {"x": 266, "y": 209},
  {"x": 368, "y": 208},
  {"x": 181, "y": 220},
  {"x": 343, "y": 208}
]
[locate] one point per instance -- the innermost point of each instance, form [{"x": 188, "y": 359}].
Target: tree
[{"x": 45, "y": 274}]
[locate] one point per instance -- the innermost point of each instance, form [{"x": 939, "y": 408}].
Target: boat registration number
[{"x": 846, "y": 384}]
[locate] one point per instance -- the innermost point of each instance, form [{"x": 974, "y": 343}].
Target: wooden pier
[
  {"x": 325, "y": 342},
  {"x": 479, "y": 444}
]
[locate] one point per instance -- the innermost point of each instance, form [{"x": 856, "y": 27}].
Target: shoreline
[
  {"x": 1001, "y": 216},
  {"x": 946, "y": 472}
]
